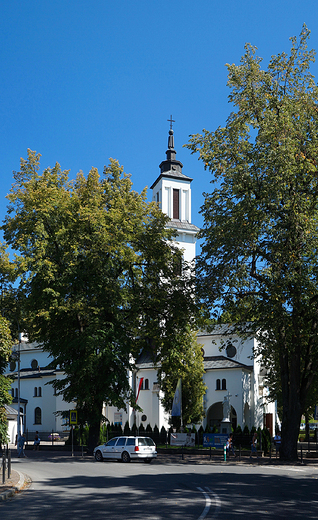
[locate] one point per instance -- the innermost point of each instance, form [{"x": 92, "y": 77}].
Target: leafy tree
[
  {"x": 5, "y": 383},
  {"x": 259, "y": 258},
  {"x": 98, "y": 279},
  {"x": 188, "y": 366}
]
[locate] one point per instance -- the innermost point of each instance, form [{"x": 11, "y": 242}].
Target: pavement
[
  {"x": 18, "y": 481},
  {"x": 14, "y": 484}
]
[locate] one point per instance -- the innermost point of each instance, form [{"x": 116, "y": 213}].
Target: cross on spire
[{"x": 171, "y": 121}]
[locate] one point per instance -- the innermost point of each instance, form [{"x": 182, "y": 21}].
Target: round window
[
  {"x": 144, "y": 418},
  {"x": 230, "y": 351}
]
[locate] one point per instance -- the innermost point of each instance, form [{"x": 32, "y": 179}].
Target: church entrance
[{"x": 215, "y": 416}]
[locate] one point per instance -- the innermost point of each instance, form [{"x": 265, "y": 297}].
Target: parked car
[{"x": 127, "y": 448}]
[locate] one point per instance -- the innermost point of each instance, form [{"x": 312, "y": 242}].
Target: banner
[
  {"x": 139, "y": 387},
  {"x": 182, "y": 439},
  {"x": 176, "y": 405},
  {"x": 215, "y": 440}
]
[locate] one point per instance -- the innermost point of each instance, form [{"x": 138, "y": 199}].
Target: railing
[{"x": 6, "y": 465}]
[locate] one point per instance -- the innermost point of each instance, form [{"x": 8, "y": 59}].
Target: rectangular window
[{"x": 176, "y": 213}]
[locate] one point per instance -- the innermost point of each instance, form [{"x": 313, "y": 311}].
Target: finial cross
[{"x": 171, "y": 121}]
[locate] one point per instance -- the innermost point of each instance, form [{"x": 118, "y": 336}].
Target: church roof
[
  {"x": 182, "y": 224},
  {"x": 145, "y": 361},
  {"x": 172, "y": 174},
  {"x": 28, "y": 373},
  {"x": 171, "y": 167},
  {"x": 222, "y": 362}
]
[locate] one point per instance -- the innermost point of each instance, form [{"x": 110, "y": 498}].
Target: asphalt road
[{"x": 70, "y": 488}]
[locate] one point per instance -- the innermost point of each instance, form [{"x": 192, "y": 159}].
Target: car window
[
  {"x": 131, "y": 442},
  {"x": 149, "y": 441},
  {"x": 112, "y": 442},
  {"x": 142, "y": 441},
  {"x": 121, "y": 441}
]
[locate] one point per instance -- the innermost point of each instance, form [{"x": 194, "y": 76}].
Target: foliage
[
  {"x": 96, "y": 266},
  {"x": 163, "y": 435},
  {"x": 5, "y": 383},
  {"x": 259, "y": 258},
  {"x": 184, "y": 359}
]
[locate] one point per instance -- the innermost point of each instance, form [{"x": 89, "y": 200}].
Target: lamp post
[{"x": 19, "y": 430}]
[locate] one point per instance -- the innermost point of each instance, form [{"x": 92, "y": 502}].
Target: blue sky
[{"x": 83, "y": 80}]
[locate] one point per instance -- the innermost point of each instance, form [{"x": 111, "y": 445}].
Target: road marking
[
  {"x": 208, "y": 503},
  {"x": 217, "y": 502}
]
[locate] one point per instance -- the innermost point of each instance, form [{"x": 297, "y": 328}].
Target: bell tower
[{"x": 172, "y": 191}]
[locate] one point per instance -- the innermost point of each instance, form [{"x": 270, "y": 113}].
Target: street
[{"x": 66, "y": 487}]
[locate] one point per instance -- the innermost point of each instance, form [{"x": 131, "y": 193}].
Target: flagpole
[{"x": 181, "y": 409}]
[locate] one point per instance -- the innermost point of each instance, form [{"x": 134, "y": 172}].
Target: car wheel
[
  {"x": 125, "y": 457},
  {"x": 98, "y": 456}
]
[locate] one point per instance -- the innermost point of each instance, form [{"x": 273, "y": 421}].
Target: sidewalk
[{"x": 13, "y": 485}]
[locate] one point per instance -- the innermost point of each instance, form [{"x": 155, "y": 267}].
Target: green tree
[
  {"x": 184, "y": 359},
  {"x": 5, "y": 383},
  {"x": 259, "y": 258},
  {"x": 97, "y": 276}
]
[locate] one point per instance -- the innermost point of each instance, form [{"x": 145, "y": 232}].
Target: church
[{"x": 232, "y": 374}]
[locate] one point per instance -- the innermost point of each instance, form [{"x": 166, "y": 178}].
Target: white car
[{"x": 126, "y": 448}]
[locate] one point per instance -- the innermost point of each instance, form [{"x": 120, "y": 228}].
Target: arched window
[
  {"x": 218, "y": 384},
  {"x": 12, "y": 392},
  {"x": 223, "y": 384},
  {"x": 34, "y": 364},
  {"x": 37, "y": 415},
  {"x": 35, "y": 391},
  {"x": 39, "y": 392},
  {"x": 146, "y": 384},
  {"x": 16, "y": 393}
]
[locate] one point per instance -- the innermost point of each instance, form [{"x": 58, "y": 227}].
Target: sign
[
  {"x": 73, "y": 416},
  {"x": 215, "y": 440},
  {"x": 182, "y": 439},
  {"x": 118, "y": 418}
]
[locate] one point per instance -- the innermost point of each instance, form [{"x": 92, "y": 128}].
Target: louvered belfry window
[{"x": 176, "y": 204}]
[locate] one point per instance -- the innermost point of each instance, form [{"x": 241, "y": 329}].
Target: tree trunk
[{"x": 94, "y": 426}]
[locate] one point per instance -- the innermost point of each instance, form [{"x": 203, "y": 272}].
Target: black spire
[{"x": 171, "y": 163}]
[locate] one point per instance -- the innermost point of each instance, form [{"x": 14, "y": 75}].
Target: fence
[{"x": 46, "y": 437}]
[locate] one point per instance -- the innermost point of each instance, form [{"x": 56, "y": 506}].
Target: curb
[{"x": 15, "y": 489}]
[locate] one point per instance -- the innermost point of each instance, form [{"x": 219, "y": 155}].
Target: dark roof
[
  {"x": 28, "y": 373},
  {"x": 182, "y": 225},
  {"x": 145, "y": 360},
  {"x": 222, "y": 362}
]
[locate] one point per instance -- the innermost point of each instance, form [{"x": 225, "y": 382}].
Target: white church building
[{"x": 232, "y": 373}]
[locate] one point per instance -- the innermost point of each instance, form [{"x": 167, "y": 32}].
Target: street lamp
[
  {"x": 19, "y": 351},
  {"x": 16, "y": 357}
]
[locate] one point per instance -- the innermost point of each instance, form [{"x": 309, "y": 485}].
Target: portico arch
[{"x": 215, "y": 415}]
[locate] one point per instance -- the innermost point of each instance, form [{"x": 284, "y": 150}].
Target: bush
[
  {"x": 163, "y": 435},
  {"x": 246, "y": 430},
  {"x": 126, "y": 428},
  {"x": 148, "y": 428}
]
